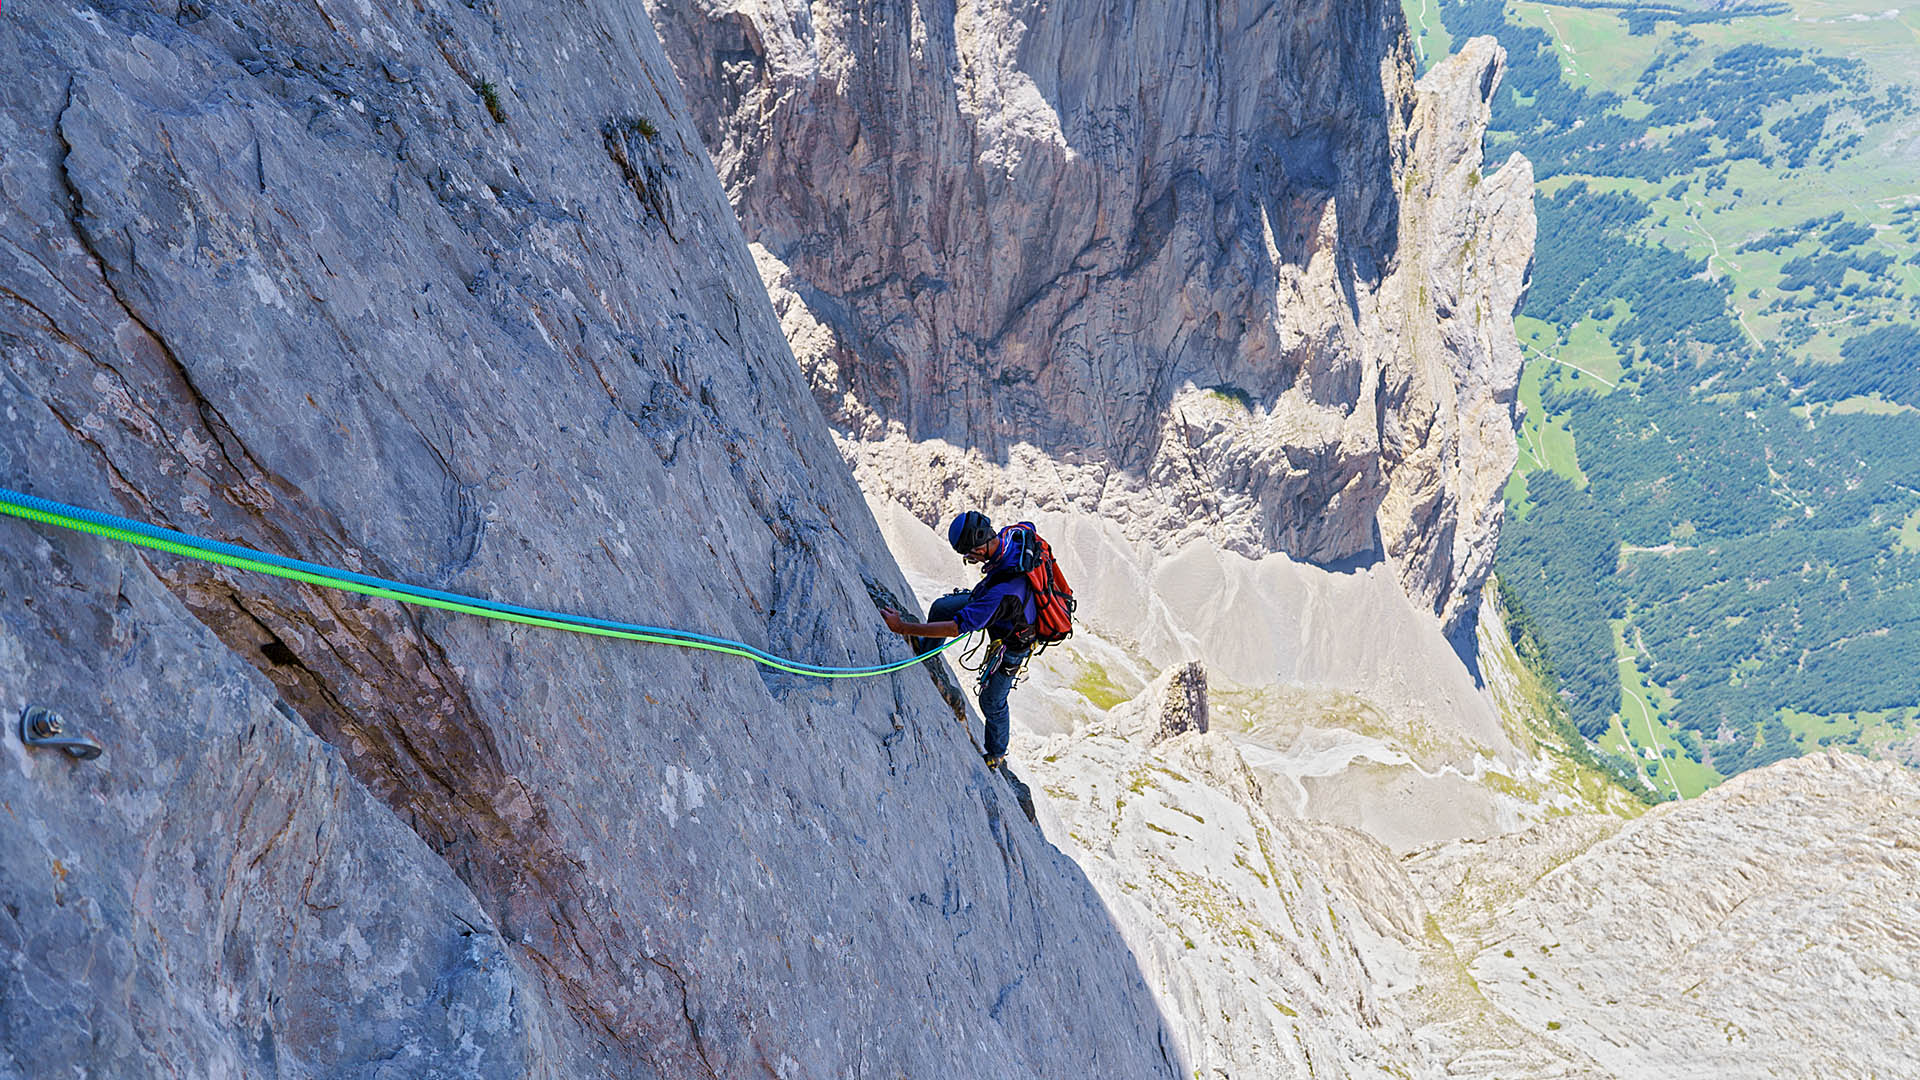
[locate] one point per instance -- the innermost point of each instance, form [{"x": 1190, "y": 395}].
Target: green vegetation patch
[
  {"x": 1673, "y": 758},
  {"x": 1232, "y": 395},
  {"x": 1725, "y": 323},
  {"x": 1545, "y": 441},
  {"x": 1909, "y": 538},
  {"x": 1588, "y": 350},
  {"x": 490, "y": 97},
  {"x": 1867, "y": 405},
  {"x": 1540, "y": 686},
  {"x": 1431, "y": 41},
  {"x": 1093, "y": 683},
  {"x": 1865, "y": 732}
]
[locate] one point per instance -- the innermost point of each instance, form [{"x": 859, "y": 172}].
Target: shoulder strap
[{"x": 1026, "y": 552}]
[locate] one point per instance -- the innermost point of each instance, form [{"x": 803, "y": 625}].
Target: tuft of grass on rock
[
  {"x": 490, "y": 96},
  {"x": 1233, "y": 394}
]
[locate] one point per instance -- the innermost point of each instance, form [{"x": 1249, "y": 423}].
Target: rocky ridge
[
  {"x": 447, "y": 292},
  {"x": 1761, "y": 930},
  {"x": 1223, "y": 274},
  {"x": 1363, "y": 713},
  {"x": 1764, "y": 929}
]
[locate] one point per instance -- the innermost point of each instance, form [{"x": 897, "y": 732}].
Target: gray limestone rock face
[
  {"x": 448, "y": 293},
  {"x": 216, "y": 890},
  {"x": 1225, "y": 269},
  {"x": 1764, "y": 929},
  {"x": 1251, "y": 925},
  {"x": 1184, "y": 708},
  {"x": 1173, "y": 704}
]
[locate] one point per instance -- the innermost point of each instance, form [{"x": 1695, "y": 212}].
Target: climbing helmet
[{"x": 969, "y": 531}]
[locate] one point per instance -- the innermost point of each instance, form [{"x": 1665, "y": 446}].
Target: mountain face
[
  {"x": 1310, "y": 362},
  {"x": 1215, "y": 271},
  {"x": 1764, "y": 929},
  {"x": 448, "y": 293}
]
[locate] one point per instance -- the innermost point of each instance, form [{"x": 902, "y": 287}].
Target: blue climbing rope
[{"x": 115, "y": 527}]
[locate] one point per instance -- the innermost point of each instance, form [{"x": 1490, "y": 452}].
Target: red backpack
[{"x": 1053, "y": 601}]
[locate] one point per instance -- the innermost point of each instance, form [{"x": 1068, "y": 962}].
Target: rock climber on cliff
[{"x": 1002, "y": 604}]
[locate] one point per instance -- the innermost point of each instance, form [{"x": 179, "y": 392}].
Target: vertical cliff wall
[
  {"x": 1218, "y": 265},
  {"x": 447, "y": 292}
]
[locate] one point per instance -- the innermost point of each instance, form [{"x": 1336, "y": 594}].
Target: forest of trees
[
  {"x": 1772, "y": 581},
  {"x": 1559, "y": 559},
  {"x": 1669, "y": 298},
  {"x": 1740, "y": 534},
  {"x": 1883, "y": 361},
  {"x": 1736, "y": 646},
  {"x": 1714, "y": 116}
]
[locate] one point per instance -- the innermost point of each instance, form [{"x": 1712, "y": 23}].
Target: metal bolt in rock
[{"x": 41, "y": 727}]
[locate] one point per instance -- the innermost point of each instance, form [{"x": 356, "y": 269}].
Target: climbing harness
[{"x": 114, "y": 527}]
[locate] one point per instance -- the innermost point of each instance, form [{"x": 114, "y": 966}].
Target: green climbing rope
[{"x": 112, "y": 527}]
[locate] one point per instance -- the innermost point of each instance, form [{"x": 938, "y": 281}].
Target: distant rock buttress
[{"x": 1214, "y": 273}]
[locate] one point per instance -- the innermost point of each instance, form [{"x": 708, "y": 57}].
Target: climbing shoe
[{"x": 993, "y": 761}]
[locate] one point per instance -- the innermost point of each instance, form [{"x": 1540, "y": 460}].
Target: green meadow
[{"x": 1794, "y": 232}]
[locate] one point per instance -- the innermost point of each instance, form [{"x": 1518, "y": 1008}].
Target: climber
[{"x": 1002, "y": 605}]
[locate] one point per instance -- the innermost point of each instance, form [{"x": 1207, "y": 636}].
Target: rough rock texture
[
  {"x": 1765, "y": 929},
  {"x": 1279, "y": 945},
  {"x": 1174, "y": 704},
  {"x": 1365, "y": 714},
  {"x": 1219, "y": 270},
  {"x": 447, "y": 292},
  {"x": 217, "y": 891},
  {"x": 1248, "y": 937}
]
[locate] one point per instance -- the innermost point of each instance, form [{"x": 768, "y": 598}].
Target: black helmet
[{"x": 968, "y": 531}]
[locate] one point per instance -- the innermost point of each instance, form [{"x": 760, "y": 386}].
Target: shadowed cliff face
[
  {"x": 1187, "y": 252},
  {"x": 448, "y": 293},
  {"x": 1006, "y": 175}
]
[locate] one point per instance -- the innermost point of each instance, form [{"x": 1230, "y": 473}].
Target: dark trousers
[{"x": 995, "y": 682}]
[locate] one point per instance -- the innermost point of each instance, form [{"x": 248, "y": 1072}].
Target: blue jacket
[{"x": 1002, "y": 604}]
